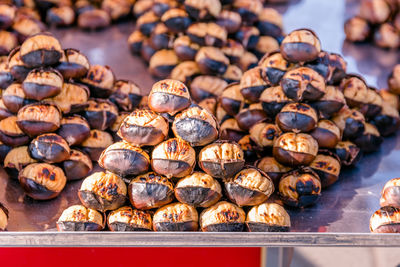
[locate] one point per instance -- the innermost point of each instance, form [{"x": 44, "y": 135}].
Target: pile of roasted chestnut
[
  {"x": 206, "y": 43},
  {"x": 50, "y": 128},
  {"x": 175, "y": 166},
  {"x": 377, "y": 21}
]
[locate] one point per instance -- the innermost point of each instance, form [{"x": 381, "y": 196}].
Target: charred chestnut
[
  {"x": 96, "y": 143},
  {"x": 74, "y": 129},
  {"x": 222, "y": 217},
  {"x": 330, "y": 103},
  {"x": 50, "y": 148},
  {"x": 60, "y": 16},
  {"x": 73, "y": 98},
  {"x": 357, "y": 29},
  {"x": 327, "y": 134},
  {"x": 268, "y": 217},
  {"x": 185, "y": 49},
  {"x": 73, "y": 64},
  {"x": 248, "y": 36},
  {"x": 42, "y": 181},
  {"x": 270, "y": 23},
  {"x": 385, "y": 220},
  {"x": 264, "y": 134},
  {"x": 390, "y": 195},
  {"x": 348, "y": 153},
  {"x": 211, "y": 60},
  {"x": 14, "y": 97},
  {"x": 103, "y": 191},
  {"x": 273, "y": 100},
  {"x": 127, "y": 95},
  {"x": 77, "y": 166},
  {"x": 94, "y": 19},
  {"x": 370, "y": 140},
  {"x": 162, "y": 63},
  {"x": 232, "y": 100},
  {"x": 80, "y": 218},
  {"x": 176, "y": 20},
  {"x": 17, "y": 159},
  {"x": 387, "y": 121},
  {"x": 169, "y": 96},
  {"x": 206, "y": 86},
  {"x": 297, "y": 117},
  {"x": 300, "y": 188},
  {"x": 330, "y": 65},
  {"x": 221, "y": 159},
  {"x": 252, "y": 84},
  {"x": 274, "y": 67},
  {"x": 17, "y": 67},
  {"x": 248, "y": 117},
  {"x": 327, "y": 167},
  {"x": 176, "y": 217},
  {"x": 100, "y": 113},
  {"x": 150, "y": 190},
  {"x": 11, "y": 134},
  {"x": 42, "y": 83},
  {"x": 300, "y": 46},
  {"x": 173, "y": 158},
  {"x": 230, "y": 20},
  {"x": 272, "y": 168},
  {"x": 100, "y": 80},
  {"x": 351, "y": 122},
  {"x": 295, "y": 149},
  {"x": 126, "y": 219}
]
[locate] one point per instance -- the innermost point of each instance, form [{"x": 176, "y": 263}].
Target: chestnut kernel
[
  {"x": 74, "y": 129},
  {"x": 17, "y": 67},
  {"x": 176, "y": 20},
  {"x": 176, "y": 217},
  {"x": 96, "y": 143},
  {"x": 297, "y": 117},
  {"x": 274, "y": 67},
  {"x": 77, "y": 166},
  {"x": 147, "y": 22},
  {"x": 233, "y": 74},
  {"x": 80, "y": 218},
  {"x": 268, "y": 217},
  {"x": 300, "y": 46},
  {"x": 230, "y": 20},
  {"x": 73, "y": 98},
  {"x": 327, "y": 134},
  {"x": 248, "y": 61},
  {"x": 351, "y": 122},
  {"x": 222, "y": 217},
  {"x": 231, "y": 131},
  {"x": 185, "y": 49},
  {"x": 265, "y": 45},
  {"x": 50, "y": 148},
  {"x": 331, "y": 103},
  {"x": 162, "y": 63},
  {"x": 270, "y": 23},
  {"x": 126, "y": 219}
]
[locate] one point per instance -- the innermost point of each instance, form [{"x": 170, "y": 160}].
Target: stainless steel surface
[{"x": 341, "y": 217}]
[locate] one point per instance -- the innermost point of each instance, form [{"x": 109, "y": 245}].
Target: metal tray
[{"x": 341, "y": 218}]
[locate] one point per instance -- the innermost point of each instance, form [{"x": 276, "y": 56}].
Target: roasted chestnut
[
  {"x": 248, "y": 10},
  {"x": 211, "y": 60},
  {"x": 186, "y": 72},
  {"x": 176, "y": 217},
  {"x": 300, "y": 188},
  {"x": 127, "y": 95},
  {"x": 103, "y": 191},
  {"x": 11, "y": 134},
  {"x": 6, "y": 78},
  {"x": 248, "y": 117},
  {"x": 4, "y": 112},
  {"x": 3, "y": 217},
  {"x": 390, "y": 195},
  {"x": 14, "y": 97},
  {"x": 17, "y": 67},
  {"x": 301, "y": 45},
  {"x": 60, "y": 16},
  {"x": 161, "y": 37},
  {"x": 387, "y": 121},
  {"x": 232, "y": 100},
  {"x": 126, "y": 219},
  {"x": 206, "y": 86},
  {"x": 303, "y": 84},
  {"x": 184, "y": 48},
  {"x": 100, "y": 113},
  {"x": 143, "y": 128},
  {"x": 248, "y": 36},
  {"x": 330, "y": 103},
  {"x": 221, "y": 159},
  {"x": 73, "y": 64},
  {"x": 230, "y": 20},
  {"x": 73, "y": 98},
  {"x": 141, "y": 7},
  {"x": 161, "y": 6},
  {"x": 270, "y": 23},
  {"x": 327, "y": 167},
  {"x": 203, "y": 9},
  {"x": 268, "y": 217},
  {"x": 272, "y": 168},
  {"x": 348, "y": 153},
  {"x": 249, "y": 187},
  {"x": 209, "y": 104},
  {"x": 273, "y": 100},
  {"x": 100, "y": 80},
  {"x": 393, "y": 80},
  {"x": 147, "y": 22},
  {"x": 150, "y": 190},
  {"x": 25, "y": 27},
  {"x": 117, "y": 9},
  {"x": 80, "y": 218},
  {"x": 169, "y": 96},
  {"x": 96, "y": 143},
  {"x": 230, "y": 130},
  {"x": 222, "y": 217},
  {"x": 162, "y": 63},
  {"x": 7, "y": 15},
  {"x": 8, "y": 41},
  {"x": 50, "y": 148},
  {"x": 252, "y": 84},
  {"x": 233, "y": 50},
  {"x": 295, "y": 149},
  {"x": 17, "y": 159},
  {"x": 176, "y": 20},
  {"x": 265, "y": 45},
  {"x": 297, "y": 117},
  {"x": 375, "y": 11},
  {"x": 327, "y": 134},
  {"x": 274, "y": 66},
  {"x": 94, "y": 19},
  {"x": 42, "y": 181},
  {"x": 74, "y": 129},
  {"x": 77, "y": 166},
  {"x": 357, "y": 29},
  {"x": 233, "y": 74},
  {"x": 207, "y": 34},
  {"x": 351, "y": 122},
  {"x": 248, "y": 61},
  {"x": 390, "y": 99},
  {"x": 173, "y": 158},
  {"x": 135, "y": 41},
  {"x": 385, "y": 220},
  {"x": 264, "y": 134},
  {"x": 370, "y": 140},
  {"x": 42, "y": 83}
]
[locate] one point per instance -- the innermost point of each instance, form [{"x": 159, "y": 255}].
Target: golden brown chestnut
[
  {"x": 162, "y": 63},
  {"x": 300, "y": 188},
  {"x": 74, "y": 129},
  {"x": 3, "y": 216},
  {"x": 184, "y": 48},
  {"x": 73, "y": 98},
  {"x": 248, "y": 61},
  {"x": 370, "y": 140},
  {"x": 326, "y": 133},
  {"x": 210, "y": 104},
  {"x": 126, "y": 219},
  {"x": 297, "y": 117},
  {"x": 11, "y": 134},
  {"x": 186, "y": 72},
  {"x": 100, "y": 80},
  {"x": 295, "y": 149},
  {"x": 351, "y": 122},
  {"x": 222, "y": 217},
  {"x": 50, "y": 148},
  {"x": 273, "y": 100},
  {"x": 135, "y": 41},
  {"x": 250, "y": 116},
  {"x": 272, "y": 168},
  {"x": 147, "y": 22},
  {"x": 198, "y": 189},
  {"x": 357, "y": 29},
  {"x": 60, "y": 16},
  {"x": 252, "y": 84},
  {"x": 330, "y": 65},
  {"x": 385, "y": 220},
  {"x": 17, "y": 67},
  {"x": 102, "y": 191},
  {"x": 265, "y": 45},
  {"x": 233, "y": 50},
  {"x": 249, "y": 187},
  {"x": 274, "y": 66},
  {"x": 117, "y": 9},
  {"x": 73, "y": 64},
  {"x": 14, "y": 98},
  {"x": 270, "y": 23},
  {"x": 42, "y": 83},
  {"x": 96, "y": 143},
  {"x": 230, "y": 20},
  {"x": 77, "y": 166},
  {"x": 211, "y": 60},
  {"x": 233, "y": 74},
  {"x": 169, "y": 96},
  {"x": 232, "y": 100},
  {"x": 176, "y": 217},
  {"x": 17, "y": 159},
  {"x": 390, "y": 195},
  {"x": 301, "y": 45},
  {"x": 248, "y": 10},
  {"x": 206, "y": 86},
  {"x": 203, "y": 9},
  {"x": 250, "y": 149},
  {"x": 176, "y": 20},
  {"x": 150, "y": 190},
  {"x": 141, "y": 7},
  {"x": 100, "y": 113},
  {"x": 25, "y": 27},
  {"x": 42, "y": 181},
  {"x": 94, "y": 19},
  {"x": 327, "y": 167},
  {"x": 143, "y": 128},
  {"x": 80, "y": 218},
  {"x": 221, "y": 159},
  {"x": 330, "y": 103},
  {"x": 173, "y": 158},
  {"x": 231, "y": 131},
  {"x": 264, "y": 134},
  {"x": 268, "y": 217}
]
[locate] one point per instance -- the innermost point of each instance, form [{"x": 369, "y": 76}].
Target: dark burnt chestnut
[
  {"x": 143, "y": 128},
  {"x": 198, "y": 189},
  {"x": 3, "y": 217},
  {"x": 60, "y": 16},
  {"x": 74, "y": 129},
  {"x": 6, "y": 78},
  {"x": 41, "y": 49},
  {"x": 357, "y": 29},
  {"x": 50, "y": 148},
  {"x": 185, "y": 49},
  {"x": 348, "y": 153},
  {"x": 233, "y": 74},
  {"x": 207, "y": 34},
  {"x": 124, "y": 159},
  {"x": 211, "y": 60},
  {"x": 375, "y": 11},
  {"x": 249, "y": 187},
  {"x": 272, "y": 168},
  {"x": 248, "y": 117},
  {"x": 233, "y": 50},
  {"x": 248, "y": 10},
  {"x": 273, "y": 100},
  {"x": 162, "y": 63},
  {"x": 327, "y": 167},
  {"x": 103, "y": 191},
  {"x": 370, "y": 140},
  {"x": 135, "y": 41},
  {"x": 17, "y": 159},
  {"x": 42, "y": 181},
  {"x": 100, "y": 80},
  {"x": 176, "y": 217},
  {"x": 94, "y": 19},
  {"x": 173, "y": 158},
  {"x": 295, "y": 149},
  {"x": 186, "y": 72},
  {"x": 127, "y": 95},
  {"x": 203, "y": 9},
  {"x": 303, "y": 84},
  {"x": 385, "y": 220},
  {"x": 7, "y": 15},
  {"x": 150, "y": 190},
  {"x": 274, "y": 66},
  {"x": 161, "y": 38},
  {"x": 264, "y": 134},
  {"x": 196, "y": 126},
  {"x": 265, "y": 45},
  {"x": 330, "y": 103},
  {"x": 25, "y": 27},
  {"x": 222, "y": 217},
  {"x": 100, "y": 113},
  {"x": 297, "y": 117},
  {"x": 221, "y": 159},
  {"x": 252, "y": 84},
  {"x": 73, "y": 64},
  {"x": 230, "y": 130},
  {"x": 393, "y": 80},
  {"x": 14, "y": 97},
  {"x": 126, "y": 219},
  {"x": 80, "y": 218},
  {"x": 387, "y": 121},
  {"x": 169, "y": 96},
  {"x": 73, "y": 98},
  {"x": 230, "y": 20},
  {"x": 327, "y": 134},
  {"x": 248, "y": 36},
  {"x": 206, "y": 86},
  {"x": 390, "y": 195},
  {"x": 8, "y": 41},
  {"x": 248, "y": 61},
  {"x": 232, "y": 101},
  {"x": 11, "y": 134},
  {"x": 96, "y": 143},
  {"x": 176, "y": 20},
  {"x": 270, "y": 23},
  {"x": 17, "y": 67},
  {"x": 268, "y": 217},
  {"x": 300, "y": 46},
  {"x": 350, "y": 122},
  {"x": 77, "y": 166},
  {"x": 42, "y": 83},
  {"x": 300, "y": 188},
  {"x": 117, "y": 9}
]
